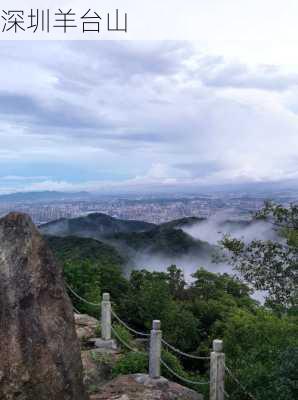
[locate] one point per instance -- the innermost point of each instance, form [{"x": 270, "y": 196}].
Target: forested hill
[
  {"x": 73, "y": 248},
  {"x": 165, "y": 241},
  {"x": 95, "y": 225},
  {"x": 129, "y": 237}
]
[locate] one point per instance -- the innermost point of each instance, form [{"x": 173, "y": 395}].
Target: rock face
[
  {"x": 141, "y": 387},
  {"x": 39, "y": 350}
]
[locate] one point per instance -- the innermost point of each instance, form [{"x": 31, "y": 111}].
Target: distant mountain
[
  {"x": 41, "y": 196},
  {"x": 81, "y": 249},
  {"x": 132, "y": 237},
  {"x": 96, "y": 226}
]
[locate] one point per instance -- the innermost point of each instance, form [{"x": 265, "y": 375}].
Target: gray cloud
[
  {"x": 28, "y": 110},
  {"x": 157, "y": 112}
]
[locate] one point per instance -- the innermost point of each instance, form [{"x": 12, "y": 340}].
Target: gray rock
[
  {"x": 141, "y": 387},
  {"x": 105, "y": 344},
  {"x": 39, "y": 349},
  {"x": 86, "y": 326}
]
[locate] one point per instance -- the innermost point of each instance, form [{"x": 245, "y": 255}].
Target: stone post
[
  {"x": 155, "y": 350},
  {"x": 106, "y": 317},
  {"x": 217, "y": 371}
]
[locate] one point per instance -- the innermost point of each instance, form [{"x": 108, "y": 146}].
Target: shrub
[
  {"x": 124, "y": 334},
  {"x": 131, "y": 363}
]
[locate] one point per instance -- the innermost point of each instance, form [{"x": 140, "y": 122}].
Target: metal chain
[
  {"x": 236, "y": 380},
  {"x": 128, "y": 327},
  {"x": 81, "y": 298},
  {"x": 180, "y": 377},
  {"x": 123, "y": 341},
  {"x": 75, "y": 310},
  {"x": 182, "y": 352}
]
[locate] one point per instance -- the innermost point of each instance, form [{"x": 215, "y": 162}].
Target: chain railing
[
  {"x": 181, "y": 378},
  {"x": 124, "y": 343},
  {"x": 217, "y": 357},
  {"x": 138, "y": 333},
  {"x": 174, "y": 349},
  {"x": 238, "y": 383},
  {"x": 81, "y": 298}
]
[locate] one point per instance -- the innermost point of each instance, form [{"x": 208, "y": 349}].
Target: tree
[
  {"x": 90, "y": 279},
  {"x": 176, "y": 281},
  {"x": 271, "y": 266},
  {"x": 261, "y": 351}
]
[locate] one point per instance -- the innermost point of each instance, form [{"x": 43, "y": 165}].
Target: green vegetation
[
  {"x": 90, "y": 268},
  {"x": 72, "y": 248},
  {"x": 262, "y": 349},
  {"x": 96, "y": 226},
  {"x": 137, "y": 362},
  {"x": 126, "y": 338},
  {"x": 269, "y": 265},
  {"x": 261, "y": 342},
  {"x": 164, "y": 240},
  {"x": 131, "y": 363}
]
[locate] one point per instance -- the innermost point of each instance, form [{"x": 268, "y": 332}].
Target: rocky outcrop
[
  {"x": 39, "y": 349},
  {"x": 98, "y": 363},
  {"x": 141, "y": 387},
  {"x": 86, "y": 326},
  {"x": 98, "y": 366}
]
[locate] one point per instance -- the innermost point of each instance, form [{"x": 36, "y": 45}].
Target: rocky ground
[{"x": 141, "y": 387}]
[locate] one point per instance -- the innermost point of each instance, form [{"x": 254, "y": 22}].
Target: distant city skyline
[
  {"x": 157, "y": 208},
  {"x": 145, "y": 116}
]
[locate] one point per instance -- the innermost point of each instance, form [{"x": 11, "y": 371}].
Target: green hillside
[
  {"x": 164, "y": 240},
  {"x": 71, "y": 238},
  {"x": 73, "y": 248}
]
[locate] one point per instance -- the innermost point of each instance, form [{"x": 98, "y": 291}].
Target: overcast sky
[{"x": 104, "y": 115}]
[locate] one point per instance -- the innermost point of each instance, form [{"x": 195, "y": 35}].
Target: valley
[{"x": 189, "y": 243}]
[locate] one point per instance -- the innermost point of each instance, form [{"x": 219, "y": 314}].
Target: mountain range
[
  {"x": 42, "y": 196},
  {"x": 127, "y": 239}
]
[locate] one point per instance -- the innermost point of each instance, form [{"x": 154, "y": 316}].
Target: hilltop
[{"x": 96, "y": 226}]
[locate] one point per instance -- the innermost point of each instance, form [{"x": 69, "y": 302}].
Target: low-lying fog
[{"x": 211, "y": 231}]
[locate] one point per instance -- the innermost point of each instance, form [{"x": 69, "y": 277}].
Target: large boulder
[{"x": 39, "y": 350}]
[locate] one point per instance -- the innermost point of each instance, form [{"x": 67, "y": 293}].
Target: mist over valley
[{"x": 189, "y": 243}]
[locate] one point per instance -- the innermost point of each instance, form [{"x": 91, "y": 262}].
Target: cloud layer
[{"x": 130, "y": 115}]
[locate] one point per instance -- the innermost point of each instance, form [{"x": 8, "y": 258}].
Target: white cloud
[{"x": 105, "y": 115}]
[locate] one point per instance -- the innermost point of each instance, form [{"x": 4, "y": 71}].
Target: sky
[{"x": 147, "y": 115}]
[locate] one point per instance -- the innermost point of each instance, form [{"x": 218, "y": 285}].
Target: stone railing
[
  {"x": 217, "y": 357},
  {"x": 156, "y": 343}
]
